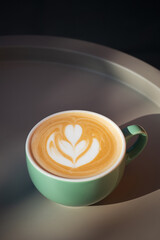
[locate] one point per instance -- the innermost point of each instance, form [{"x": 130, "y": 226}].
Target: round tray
[{"x": 43, "y": 75}]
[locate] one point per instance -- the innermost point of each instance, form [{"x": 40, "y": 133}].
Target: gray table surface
[{"x": 31, "y": 89}]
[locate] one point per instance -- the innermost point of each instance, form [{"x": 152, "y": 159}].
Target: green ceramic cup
[{"x": 86, "y": 191}]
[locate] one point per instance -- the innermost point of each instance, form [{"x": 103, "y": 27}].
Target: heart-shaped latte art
[
  {"x": 72, "y": 148},
  {"x": 73, "y": 133}
]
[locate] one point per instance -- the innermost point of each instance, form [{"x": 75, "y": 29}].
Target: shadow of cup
[{"x": 142, "y": 174}]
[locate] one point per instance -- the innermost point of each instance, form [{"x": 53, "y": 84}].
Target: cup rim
[{"x": 86, "y": 179}]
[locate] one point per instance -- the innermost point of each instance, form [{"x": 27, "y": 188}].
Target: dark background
[{"x": 130, "y": 27}]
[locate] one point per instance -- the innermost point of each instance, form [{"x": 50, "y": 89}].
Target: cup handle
[{"x": 133, "y": 151}]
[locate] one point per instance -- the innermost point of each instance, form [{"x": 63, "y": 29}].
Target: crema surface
[{"x": 75, "y": 144}]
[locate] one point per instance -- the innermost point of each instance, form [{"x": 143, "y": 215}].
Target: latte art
[
  {"x": 75, "y": 144},
  {"x": 72, "y": 152}
]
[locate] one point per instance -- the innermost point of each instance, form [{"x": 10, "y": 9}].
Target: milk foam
[
  {"x": 72, "y": 152},
  {"x": 75, "y": 144}
]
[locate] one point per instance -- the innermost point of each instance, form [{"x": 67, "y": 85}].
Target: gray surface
[{"x": 40, "y": 76}]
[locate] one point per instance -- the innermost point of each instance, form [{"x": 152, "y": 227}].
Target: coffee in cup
[
  {"x": 76, "y": 144},
  {"x": 77, "y": 158}
]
